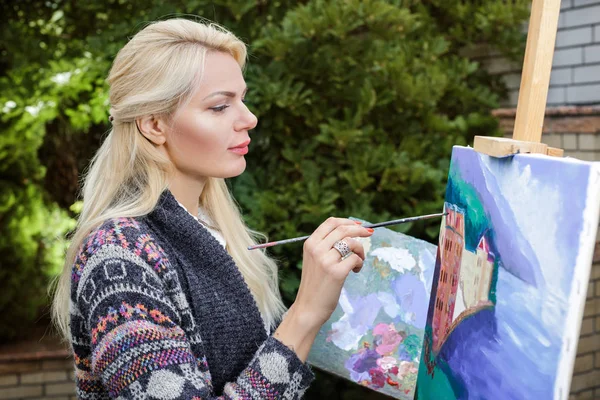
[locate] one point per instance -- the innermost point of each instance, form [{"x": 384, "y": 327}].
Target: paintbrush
[{"x": 377, "y": 225}]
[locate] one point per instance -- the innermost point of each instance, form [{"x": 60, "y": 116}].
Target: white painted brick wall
[
  {"x": 584, "y": 94},
  {"x": 587, "y": 74},
  {"x": 557, "y": 95},
  {"x": 575, "y": 77},
  {"x": 565, "y": 57},
  {"x": 592, "y": 53},
  {"x": 582, "y": 16},
  {"x": 513, "y": 97},
  {"x": 579, "y": 3},
  {"x": 560, "y": 76},
  {"x": 501, "y": 66},
  {"x": 571, "y": 37},
  {"x": 513, "y": 80}
]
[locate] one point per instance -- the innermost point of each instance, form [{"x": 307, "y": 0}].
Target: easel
[
  {"x": 529, "y": 121},
  {"x": 533, "y": 90}
]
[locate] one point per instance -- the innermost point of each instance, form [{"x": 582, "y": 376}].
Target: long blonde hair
[{"x": 154, "y": 73}]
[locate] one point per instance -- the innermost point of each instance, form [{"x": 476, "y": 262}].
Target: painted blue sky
[
  {"x": 536, "y": 205},
  {"x": 547, "y": 196}
]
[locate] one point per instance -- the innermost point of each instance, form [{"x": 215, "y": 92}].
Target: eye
[{"x": 220, "y": 108}]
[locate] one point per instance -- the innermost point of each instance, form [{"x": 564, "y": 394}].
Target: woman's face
[{"x": 209, "y": 135}]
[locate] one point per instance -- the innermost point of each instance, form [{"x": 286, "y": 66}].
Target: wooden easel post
[{"x": 533, "y": 91}]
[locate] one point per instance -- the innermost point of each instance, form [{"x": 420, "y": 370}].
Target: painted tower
[
  {"x": 451, "y": 249},
  {"x": 485, "y": 262}
]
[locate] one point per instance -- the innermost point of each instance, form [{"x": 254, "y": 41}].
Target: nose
[{"x": 247, "y": 120}]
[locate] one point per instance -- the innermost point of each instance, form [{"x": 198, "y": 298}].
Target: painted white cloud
[
  {"x": 536, "y": 206},
  {"x": 399, "y": 259}
]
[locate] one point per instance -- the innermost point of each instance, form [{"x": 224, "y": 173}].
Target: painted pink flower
[
  {"x": 386, "y": 339},
  {"x": 378, "y": 378},
  {"x": 386, "y": 363},
  {"x": 406, "y": 367}
]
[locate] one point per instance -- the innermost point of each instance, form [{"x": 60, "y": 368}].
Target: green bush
[
  {"x": 359, "y": 103},
  {"x": 30, "y": 253}
]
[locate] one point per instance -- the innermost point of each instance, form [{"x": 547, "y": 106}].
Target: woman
[{"x": 160, "y": 297}]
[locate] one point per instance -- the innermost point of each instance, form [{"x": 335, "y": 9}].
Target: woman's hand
[
  {"x": 323, "y": 275},
  {"x": 324, "y": 271}
]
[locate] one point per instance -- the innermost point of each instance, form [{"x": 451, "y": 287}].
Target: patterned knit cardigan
[{"x": 160, "y": 311}]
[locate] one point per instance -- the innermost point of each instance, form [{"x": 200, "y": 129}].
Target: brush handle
[
  {"x": 377, "y": 225},
  {"x": 403, "y": 220}
]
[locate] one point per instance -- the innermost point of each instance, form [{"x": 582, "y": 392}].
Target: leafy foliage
[{"x": 359, "y": 103}]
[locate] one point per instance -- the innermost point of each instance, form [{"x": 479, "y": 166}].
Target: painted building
[
  {"x": 451, "y": 249},
  {"x": 466, "y": 296},
  {"x": 485, "y": 268},
  {"x": 475, "y": 278}
]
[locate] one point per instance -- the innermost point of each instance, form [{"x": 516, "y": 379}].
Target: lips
[
  {"x": 241, "y": 145},
  {"x": 242, "y": 148}
]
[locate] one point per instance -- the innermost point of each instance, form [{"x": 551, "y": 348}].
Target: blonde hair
[{"x": 154, "y": 74}]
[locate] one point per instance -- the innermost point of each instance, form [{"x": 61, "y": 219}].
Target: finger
[
  {"x": 343, "y": 231},
  {"x": 351, "y": 263},
  {"x": 329, "y": 225},
  {"x": 355, "y": 246},
  {"x": 359, "y": 268},
  {"x": 356, "y": 270}
]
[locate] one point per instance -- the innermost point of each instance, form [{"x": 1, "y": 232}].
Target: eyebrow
[{"x": 225, "y": 93}]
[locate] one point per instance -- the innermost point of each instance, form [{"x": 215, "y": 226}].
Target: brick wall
[
  {"x": 576, "y": 129},
  {"x": 576, "y": 66},
  {"x": 45, "y": 375},
  {"x": 575, "y": 78}
]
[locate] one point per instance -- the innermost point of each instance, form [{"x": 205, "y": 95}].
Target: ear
[{"x": 153, "y": 129}]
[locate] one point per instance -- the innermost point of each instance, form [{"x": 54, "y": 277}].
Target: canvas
[
  {"x": 375, "y": 335},
  {"x": 510, "y": 280}
]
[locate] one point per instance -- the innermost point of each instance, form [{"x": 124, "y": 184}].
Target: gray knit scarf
[{"x": 230, "y": 323}]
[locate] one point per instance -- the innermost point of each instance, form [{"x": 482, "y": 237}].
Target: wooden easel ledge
[
  {"x": 503, "y": 147},
  {"x": 533, "y": 91}
]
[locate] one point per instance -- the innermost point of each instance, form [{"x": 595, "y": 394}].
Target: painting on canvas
[
  {"x": 510, "y": 279},
  {"x": 375, "y": 335}
]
